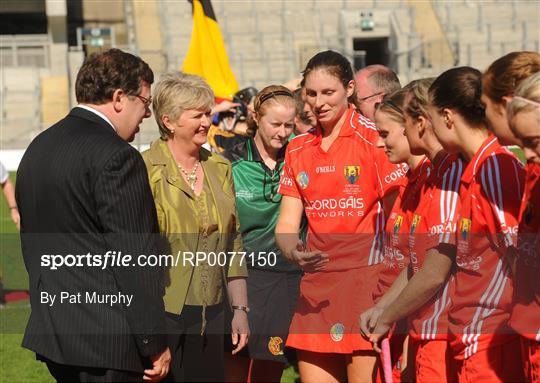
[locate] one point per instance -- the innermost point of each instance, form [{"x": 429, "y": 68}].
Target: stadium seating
[{"x": 269, "y": 41}]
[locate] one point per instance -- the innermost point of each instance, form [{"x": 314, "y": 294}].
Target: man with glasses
[
  {"x": 82, "y": 189},
  {"x": 372, "y": 83}
]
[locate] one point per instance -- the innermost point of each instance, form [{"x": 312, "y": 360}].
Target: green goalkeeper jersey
[{"x": 257, "y": 202}]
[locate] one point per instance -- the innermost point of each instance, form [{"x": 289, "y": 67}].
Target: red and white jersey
[
  {"x": 490, "y": 193},
  {"x": 391, "y": 174},
  {"x": 433, "y": 223},
  {"x": 525, "y": 317},
  {"x": 341, "y": 190},
  {"x": 396, "y": 249}
]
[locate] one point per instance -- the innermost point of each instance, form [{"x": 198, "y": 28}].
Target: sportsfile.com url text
[{"x": 182, "y": 258}]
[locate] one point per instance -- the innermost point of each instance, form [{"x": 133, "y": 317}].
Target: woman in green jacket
[{"x": 194, "y": 196}]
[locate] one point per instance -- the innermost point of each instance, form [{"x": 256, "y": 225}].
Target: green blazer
[{"x": 177, "y": 221}]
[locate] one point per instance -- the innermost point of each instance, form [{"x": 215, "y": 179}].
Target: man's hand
[
  {"x": 310, "y": 261},
  {"x": 369, "y": 319},
  {"x": 160, "y": 366},
  {"x": 16, "y": 218},
  {"x": 225, "y": 106},
  {"x": 240, "y": 329}
]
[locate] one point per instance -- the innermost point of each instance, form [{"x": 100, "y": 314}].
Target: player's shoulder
[
  {"x": 364, "y": 129},
  {"x": 499, "y": 165},
  {"x": 303, "y": 141}
]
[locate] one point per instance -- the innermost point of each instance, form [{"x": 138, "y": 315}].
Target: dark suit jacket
[{"x": 82, "y": 189}]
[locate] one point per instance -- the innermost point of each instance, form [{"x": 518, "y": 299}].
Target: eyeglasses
[
  {"x": 370, "y": 96},
  {"x": 146, "y": 101},
  {"x": 389, "y": 103}
]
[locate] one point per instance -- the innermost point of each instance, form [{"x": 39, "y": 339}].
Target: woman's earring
[{"x": 172, "y": 131}]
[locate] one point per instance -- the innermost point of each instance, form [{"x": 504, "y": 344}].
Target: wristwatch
[{"x": 242, "y": 308}]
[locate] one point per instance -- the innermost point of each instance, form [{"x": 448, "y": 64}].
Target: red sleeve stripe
[{"x": 487, "y": 304}]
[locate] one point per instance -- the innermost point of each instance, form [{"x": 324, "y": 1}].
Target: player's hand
[
  {"x": 369, "y": 319},
  {"x": 310, "y": 261}
]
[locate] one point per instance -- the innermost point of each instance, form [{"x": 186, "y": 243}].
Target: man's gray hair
[{"x": 382, "y": 78}]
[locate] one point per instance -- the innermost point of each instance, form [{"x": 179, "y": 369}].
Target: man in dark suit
[{"x": 84, "y": 197}]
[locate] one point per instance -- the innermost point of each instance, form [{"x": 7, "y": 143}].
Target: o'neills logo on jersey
[
  {"x": 325, "y": 169},
  {"x": 352, "y": 173},
  {"x": 343, "y": 207},
  {"x": 465, "y": 228},
  {"x": 302, "y": 179}
]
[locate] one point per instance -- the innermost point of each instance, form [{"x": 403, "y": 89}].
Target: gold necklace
[{"x": 191, "y": 178}]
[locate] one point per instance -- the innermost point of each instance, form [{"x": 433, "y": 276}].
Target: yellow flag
[{"x": 206, "y": 55}]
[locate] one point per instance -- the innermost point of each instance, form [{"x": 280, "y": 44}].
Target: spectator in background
[
  {"x": 372, "y": 83},
  {"x": 232, "y": 122},
  {"x": 499, "y": 83},
  {"x": 9, "y": 194},
  {"x": 305, "y": 119}
]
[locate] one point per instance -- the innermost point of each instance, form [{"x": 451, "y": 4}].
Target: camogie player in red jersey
[
  {"x": 524, "y": 119},
  {"x": 484, "y": 347},
  {"x": 498, "y": 85},
  {"x": 499, "y": 82},
  {"x": 332, "y": 174},
  {"x": 390, "y": 122},
  {"x": 423, "y": 290}
]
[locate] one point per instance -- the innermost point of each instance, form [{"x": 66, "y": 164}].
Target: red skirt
[{"x": 328, "y": 310}]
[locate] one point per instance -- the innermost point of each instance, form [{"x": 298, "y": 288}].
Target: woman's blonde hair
[
  {"x": 392, "y": 104},
  {"x": 417, "y": 99},
  {"x": 177, "y": 92},
  {"x": 526, "y": 97}
]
